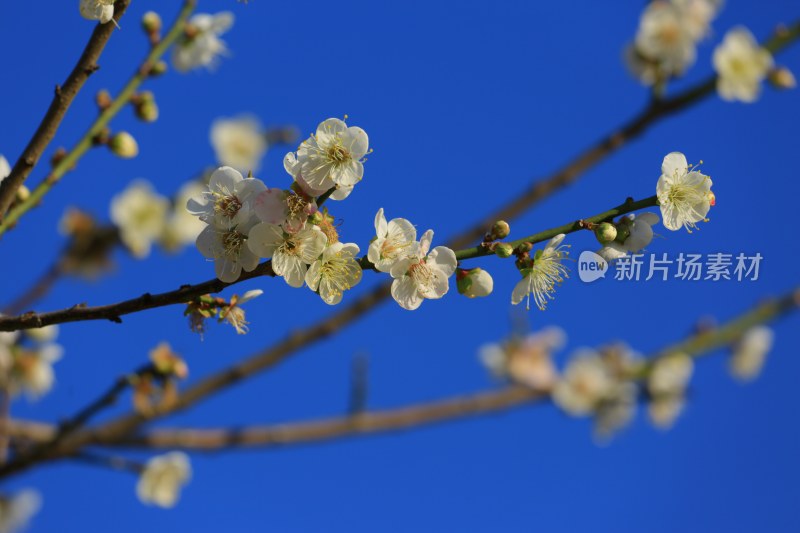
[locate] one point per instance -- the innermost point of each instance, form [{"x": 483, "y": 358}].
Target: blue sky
[{"x": 464, "y": 107}]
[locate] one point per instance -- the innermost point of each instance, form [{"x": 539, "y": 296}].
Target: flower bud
[
  {"x": 123, "y": 145},
  {"x": 504, "y": 250},
  {"x": 605, "y": 232},
  {"x": 524, "y": 248},
  {"x": 500, "y": 230},
  {"x": 782, "y": 78},
  {"x": 158, "y": 69},
  {"x": 103, "y": 99},
  {"x": 23, "y": 193},
  {"x": 147, "y": 111},
  {"x": 151, "y": 23},
  {"x": 474, "y": 283}
]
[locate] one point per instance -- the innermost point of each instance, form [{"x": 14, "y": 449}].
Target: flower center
[
  {"x": 227, "y": 206},
  {"x": 338, "y": 153},
  {"x": 422, "y": 274},
  {"x": 232, "y": 243}
]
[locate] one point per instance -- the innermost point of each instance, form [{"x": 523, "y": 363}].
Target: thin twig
[{"x": 64, "y": 95}]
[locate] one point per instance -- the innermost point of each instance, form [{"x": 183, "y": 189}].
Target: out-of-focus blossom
[
  {"x": 101, "y": 10},
  {"x": 741, "y": 65},
  {"x": 201, "y": 45},
  {"x": 17, "y": 510},
  {"x": 750, "y": 353},
  {"x": 140, "y": 214},
  {"x": 239, "y": 142},
  {"x": 163, "y": 478},
  {"x": 527, "y": 361}
]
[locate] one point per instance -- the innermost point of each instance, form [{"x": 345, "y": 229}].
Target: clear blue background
[{"x": 465, "y": 104}]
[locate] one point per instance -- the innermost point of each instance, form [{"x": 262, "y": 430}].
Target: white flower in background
[
  {"x": 665, "y": 38},
  {"x": 140, "y": 214},
  {"x": 615, "y": 411},
  {"x": 163, "y": 478},
  {"x": 697, "y": 15},
  {"x": 32, "y": 370},
  {"x": 541, "y": 279},
  {"x": 284, "y": 208},
  {"x": 666, "y": 385},
  {"x": 291, "y": 253},
  {"x": 182, "y": 227},
  {"x": 527, "y": 361},
  {"x": 474, "y": 283},
  {"x": 334, "y": 272},
  {"x": 640, "y": 234},
  {"x": 670, "y": 375},
  {"x": 239, "y": 142},
  {"x": 741, "y": 65},
  {"x": 44, "y": 334},
  {"x": 423, "y": 275},
  {"x": 684, "y": 195},
  {"x": 5, "y": 168},
  {"x": 229, "y": 199},
  {"x": 333, "y": 156},
  {"x": 17, "y": 510},
  {"x": 201, "y": 46},
  {"x": 394, "y": 241},
  {"x": 229, "y": 249},
  {"x": 750, "y": 353},
  {"x": 102, "y": 10},
  {"x": 234, "y": 314},
  {"x": 292, "y": 166},
  {"x": 643, "y": 69},
  {"x": 584, "y": 384}
]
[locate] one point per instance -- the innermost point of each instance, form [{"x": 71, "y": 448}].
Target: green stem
[{"x": 86, "y": 142}]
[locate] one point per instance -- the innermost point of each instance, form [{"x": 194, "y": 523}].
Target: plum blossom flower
[
  {"x": 140, "y": 214},
  {"x": 666, "y": 385},
  {"x": 684, "y": 195},
  {"x": 292, "y": 166},
  {"x": 639, "y": 232},
  {"x": 334, "y": 272},
  {"x": 750, "y": 353},
  {"x": 201, "y": 45},
  {"x": 541, "y": 278},
  {"x": 615, "y": 411},
  {"x": 741, "y": 65},
  {"x": 333, "y": 157},
  {"x": 664, "y": 38},
  {"x": 30, "y": 370},
  {"x": 229, "y": 199},
  {"x": 17, "y": 510},
  {"x": 697, "y": 15},
  {"x": 229, "y": 249},
  {"x": 234, "y": 314},
  {"x": 163, "y": 478},
  {"x": 291, "y": 253},
  {"x": 284, "y": 208},
  {"x": 394, "y": 241},
  {"x": 422, "y": 275},
  {"x": 527, "y": 361},
  {"x": 101, "y": 10},
  {"x": 239, "y": 142},
  {"x": 584, "y": 384},
  {"x": 474, "y": 283}
]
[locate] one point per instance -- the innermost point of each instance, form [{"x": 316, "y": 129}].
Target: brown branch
[{"x": 64, "y": 95}]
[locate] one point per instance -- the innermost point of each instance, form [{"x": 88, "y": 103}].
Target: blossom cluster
[
  {"x": 26, "y": 361},
  {"x": 608, "y": 383}
]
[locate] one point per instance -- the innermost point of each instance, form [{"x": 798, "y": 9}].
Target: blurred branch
[
  {"x": 186, "y": 293},
  {"x": 64, "y": 95},
  {"x": 86, "y": 142}
]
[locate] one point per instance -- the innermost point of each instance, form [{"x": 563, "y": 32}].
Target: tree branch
[{"x": 64, "y": 95}]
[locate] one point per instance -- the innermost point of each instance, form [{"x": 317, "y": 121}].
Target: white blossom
[
  {"x": 291, "y": 253},
  {"x": 239, "y": 142},
  {"x": 16, "y": 511},
  {"x": 697, "y": 15},
  {"x": 30, "y": 370},
  {"x": 615, "y": 411},
  {"x": 140, "y": 214},
  {"x": 182, "y": 227},
  {"x": 527, "y": 361},
  {"x": 665, "y": 410},
  {"x": 334, "y": 272},
  {"x": 333, "y": 157},
  {"x": 684, "y": 195},
  {"x": 292, "y": 166},
  {"x": 422, "y": 275},
  {"x": 665, "y": 38},
  {"x": 284, "y": 208},
  {"x": 474, "y": 283},
  {"x": 640, "y": 234},
  {"x": 235, "y": 315},
  {"x": 394, "y": 241},
  {"x": 584, "y": 384},
  {"x": 542, "y": 277},
  {"x": 102, "y": 10},
  {"x": 750, "y": 353},
  {"x": 229, "y": 249},
  {"x": 229, "y": 199},
  {"x": 741, "y": 65},
  {"x": 163, "y": 478},
  {"x": 670, "y": 375},
  {"x": 202, "y": 46},
  {"x": 43, "y": 334}
]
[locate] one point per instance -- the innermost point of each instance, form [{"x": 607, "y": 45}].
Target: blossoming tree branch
[{"x": 252, "y": 229}]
